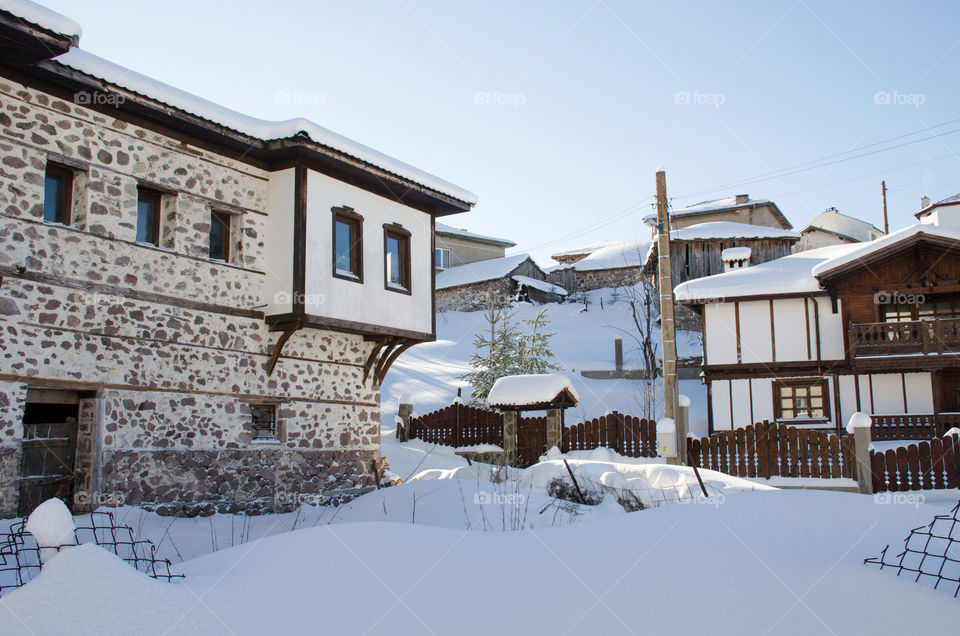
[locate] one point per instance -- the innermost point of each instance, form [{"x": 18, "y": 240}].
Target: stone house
[
  {"x": 455, "y": 247},
  {"x": 607, "y": 264},
  {"x": 197, "y": 307},
  {"x": 830, "y": 227},
  {"x": 482, "y": 284},
  {"x": 737, "y": 209}
]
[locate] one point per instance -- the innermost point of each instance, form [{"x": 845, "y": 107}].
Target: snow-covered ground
[
  {"x": 461, "y": 549},
  {"x": 583, "y": 340}
]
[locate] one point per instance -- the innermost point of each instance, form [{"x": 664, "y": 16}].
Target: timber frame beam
[
  {"x": 385, "y": 352},
  {"x": 277, "y": 348}
]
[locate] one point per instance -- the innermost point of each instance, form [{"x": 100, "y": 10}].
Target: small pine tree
[
  {"x": 536, "y": 355},
  {"x": 498, "y": 354}
]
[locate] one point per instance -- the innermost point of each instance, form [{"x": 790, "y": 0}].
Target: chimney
[
  {"x": 735, "y": 258},
  {"x": 924, "y": 202},
  {"x": 742, "y": 198}
]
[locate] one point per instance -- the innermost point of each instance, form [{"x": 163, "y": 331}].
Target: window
[
  {"x": 57, "y": 194},
  {"x": 347, "y": 244},
  {"x": 801, "y": 399},
  {"x": 928, "y": 310},
  {"x": 220, "y": 235},
  {"x": 441, "y": 258},
  {"x": 148, "y": 216},
  {"x": 264, "y": 422},
  {"x": 396, "y": 252}
]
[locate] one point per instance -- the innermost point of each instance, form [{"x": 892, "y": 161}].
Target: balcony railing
[
  {"x": 921, "y": 426},
  {"x": 918, "y": 337}
]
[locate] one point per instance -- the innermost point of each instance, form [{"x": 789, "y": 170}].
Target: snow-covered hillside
[{"x": 583, "y": 339}]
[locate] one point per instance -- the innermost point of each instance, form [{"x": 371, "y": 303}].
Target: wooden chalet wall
[{"x": 696, "y": 259}]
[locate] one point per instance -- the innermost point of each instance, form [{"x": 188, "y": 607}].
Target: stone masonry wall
[
  {"x": 162, "y": 335},
  {"x": 603, "y": 278},
  {"x": 473, "y": 297}
]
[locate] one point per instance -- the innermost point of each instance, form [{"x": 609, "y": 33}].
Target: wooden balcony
[
  {"x": 922, "y": 426},
  {"x": 916, "y": 337}
]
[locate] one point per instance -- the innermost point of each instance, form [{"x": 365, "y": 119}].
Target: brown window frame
[
  {"x": 794, "y": 384},
  {"x": 227, "y": 219},
  {"x": 348, "y": 216},
  {"x": 145, "y": 193},
  {"x": 402, "y": 235},
  {"x": 66, "y": 205}
]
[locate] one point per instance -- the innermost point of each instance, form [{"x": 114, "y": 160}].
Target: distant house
[
  {"x": 606, "y": 264},
  {"x": 816, "y": 336},
  {"x": 454, "y": 247},
  {"x": 945, "y": 213},
  {"x": 738, "y": 209},
  {"x": 832, "y": 228},
  {"x": 569, "y": 257},
  {"x": 698, "y": 250},
  {"x": 481, "y": 284}
]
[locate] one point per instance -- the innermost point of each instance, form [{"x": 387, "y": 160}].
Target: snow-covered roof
[
  {"x": 452, "y": 231},
  {"x": 833, "y": 221},
  {"x": 736, "y": 254},
  {"x": 788, "y": 275},
  {"x": 951, "y": 200},
  {"x": 542, "y": 285},
  {"x": 264, "y": 130},
  {"x": 42, "y": 17},
  {"x": 861, "y": 251},
  {"x": 613, "y": 256},
  {"x": 716, "y": 204},
  {"x": 729, "y": 229},
  {"x": 518, "y": 390},
  {"x": 587, "y": 249},
  {"x": 479, "y": 271}
]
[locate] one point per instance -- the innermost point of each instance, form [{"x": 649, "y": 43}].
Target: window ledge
[{"x": 266, "y": 442}]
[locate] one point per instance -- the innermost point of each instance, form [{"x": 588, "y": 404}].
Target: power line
[{"x": 605, "y": 221}]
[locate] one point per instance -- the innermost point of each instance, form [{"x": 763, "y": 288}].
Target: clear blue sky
[{"x": 583, "y": 96}]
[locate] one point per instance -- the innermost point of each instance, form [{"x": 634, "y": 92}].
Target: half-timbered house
[{"x": 197, "y": 307}]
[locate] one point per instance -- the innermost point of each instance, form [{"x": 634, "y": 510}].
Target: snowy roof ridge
[
  {"x": 613, "y": 256},
  {"x": 848, "y": 226},
  {"x": 586, "y": 249},
  {"x": 540, "y": 388},
  {"x": 479, "y": 271},
  {"x": 729, "y": 229},
  {"x": 863, "y": 250},
  {"x": 442, "y": 228},
  {"x": 42, "y": 17},
  {"x": 264, "y": 130},
  {"x": 542, "y": 285}
]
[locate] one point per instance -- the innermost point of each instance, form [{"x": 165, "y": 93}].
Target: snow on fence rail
[
  {"x": 459, "y": 425},
  {"x": 630, "y": 436},
  {"x": 767, "y": 449},
  {"x": 922, "y": 466}
]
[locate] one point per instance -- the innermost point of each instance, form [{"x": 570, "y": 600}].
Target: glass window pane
[
  {"x": 394, "y": 272},
  {"x": 786, "y": 413},
  {"x": 54, "y": 198},
  {"x": 816, "y": 390},
  {"x": 344, "y": 247},
  {"x": 786, "y": 391},
  {"x": 219, "y": 236},
  {"x": 147, "y": 220}
]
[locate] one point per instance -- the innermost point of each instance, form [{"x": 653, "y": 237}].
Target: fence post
[
  {"x": 404, "y": 412},
  {"x": 859, "y": 427},
  {"x": 510, "y": 422},
  {"x": 683, "y": 426},
  {"x": 554, "y": 429}
]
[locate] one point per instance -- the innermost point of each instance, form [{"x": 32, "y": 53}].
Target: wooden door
[
  {"x": 949, "y": 392},
  {"x": 47, "y": 454},
  {"x": 531, "y": 440}
]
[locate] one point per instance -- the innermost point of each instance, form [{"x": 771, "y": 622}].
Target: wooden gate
[
  {"x": 531, "y": 440},
  {"x": 630, "y": 436},
  {"x": 459, "y": 425},
  {"x": 923, "y": 466},
  {"x": 48, "y": 448}
]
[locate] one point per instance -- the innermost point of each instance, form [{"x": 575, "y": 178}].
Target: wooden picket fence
[
  {"x": 767, "y": 449},
  {"x": 459, "y": 425},
  {"x": 630, "y": 436},
  {"x": 922, "y": 466},
  {"x": 531, "y": 440}
]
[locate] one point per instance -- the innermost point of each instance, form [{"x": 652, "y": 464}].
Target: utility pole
[
  {"x": 668, "y": 334},
  {"x": 886, "y": 222}
]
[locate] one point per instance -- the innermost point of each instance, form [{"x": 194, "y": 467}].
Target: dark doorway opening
[{"x": 48, "y": 448}]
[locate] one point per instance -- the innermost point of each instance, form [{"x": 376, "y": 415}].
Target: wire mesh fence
[
  {"x": 21, "y": 559},
  {"x": 931, "y": 553}
]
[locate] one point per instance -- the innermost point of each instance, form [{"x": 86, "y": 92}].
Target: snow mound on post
[
  {"x": 51, "y": 525},
  {"x": 859, "y": 420},
  {"x": 517, "y": 390},
  {"x": 736, "y": 254}
]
